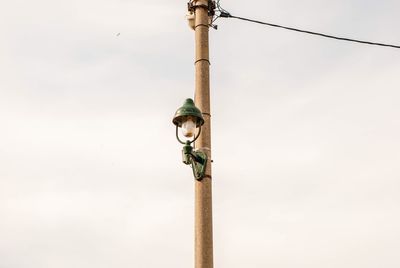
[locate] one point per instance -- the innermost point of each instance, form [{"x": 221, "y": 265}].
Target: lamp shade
[{"x": 188, "y": 110}]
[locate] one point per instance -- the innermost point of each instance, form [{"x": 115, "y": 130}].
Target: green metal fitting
[
  {"x": 188, "y": 109},
  {"x": 187, "y": 154},
  {"x": 197, "y": 159}
]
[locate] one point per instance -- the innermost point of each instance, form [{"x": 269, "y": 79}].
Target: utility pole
[{"x": 203, "y": 189}]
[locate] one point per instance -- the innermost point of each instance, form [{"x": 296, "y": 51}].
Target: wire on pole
[{"x": 225, "y": 14}]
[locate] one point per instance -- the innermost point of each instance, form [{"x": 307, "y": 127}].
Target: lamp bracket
[{"x": 196, "y": 159}]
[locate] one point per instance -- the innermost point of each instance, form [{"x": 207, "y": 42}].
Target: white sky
[{"x": 305, "y": 135}]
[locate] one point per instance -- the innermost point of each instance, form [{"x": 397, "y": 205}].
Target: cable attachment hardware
[
  {"x": 225, "y": 14},
  {"x": 211, "y": 7}
]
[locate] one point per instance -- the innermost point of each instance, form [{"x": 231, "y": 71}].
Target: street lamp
[{"x": 189, "y": 118}]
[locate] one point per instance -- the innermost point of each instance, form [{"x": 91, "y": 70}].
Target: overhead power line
[{"x": 224, "y": 14}]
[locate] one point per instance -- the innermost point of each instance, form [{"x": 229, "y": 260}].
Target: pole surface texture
[{"x": 203, "y": 190}]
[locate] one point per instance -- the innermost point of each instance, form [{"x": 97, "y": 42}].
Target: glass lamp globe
[{"x": 188, "y": 128}]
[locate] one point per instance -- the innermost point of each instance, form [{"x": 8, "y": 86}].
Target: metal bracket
[
  {"x": 196, "y": 159},
  {"x": 210, "y": 7}
]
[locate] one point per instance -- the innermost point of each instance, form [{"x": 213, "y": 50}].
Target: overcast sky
[{"x": 305, "y": 132}]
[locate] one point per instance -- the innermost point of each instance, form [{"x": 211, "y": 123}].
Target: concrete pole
[{"x": 203, "y": 193}]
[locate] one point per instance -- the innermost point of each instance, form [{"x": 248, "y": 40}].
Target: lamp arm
[
  {"x": 177, "y": 136},
  {"x": 199, "y": 162},
  {"x": 196, "y": 159}
]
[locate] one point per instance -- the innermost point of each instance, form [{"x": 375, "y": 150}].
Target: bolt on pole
[{"x": 203, "y": 189}]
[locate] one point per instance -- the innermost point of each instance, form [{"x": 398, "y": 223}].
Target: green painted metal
[
  {"x": 196, "y": 159},
  {"x": 188, "y": 109},
  {"x": 199, "y": 165}
]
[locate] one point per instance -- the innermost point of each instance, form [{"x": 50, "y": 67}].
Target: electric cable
[{"x": 225, "y": 14}]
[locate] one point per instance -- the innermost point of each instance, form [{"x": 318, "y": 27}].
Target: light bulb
[{"x": 188, "y": 128}]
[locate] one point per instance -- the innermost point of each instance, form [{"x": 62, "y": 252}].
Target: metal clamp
[{"x": 210, "y": 7}]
